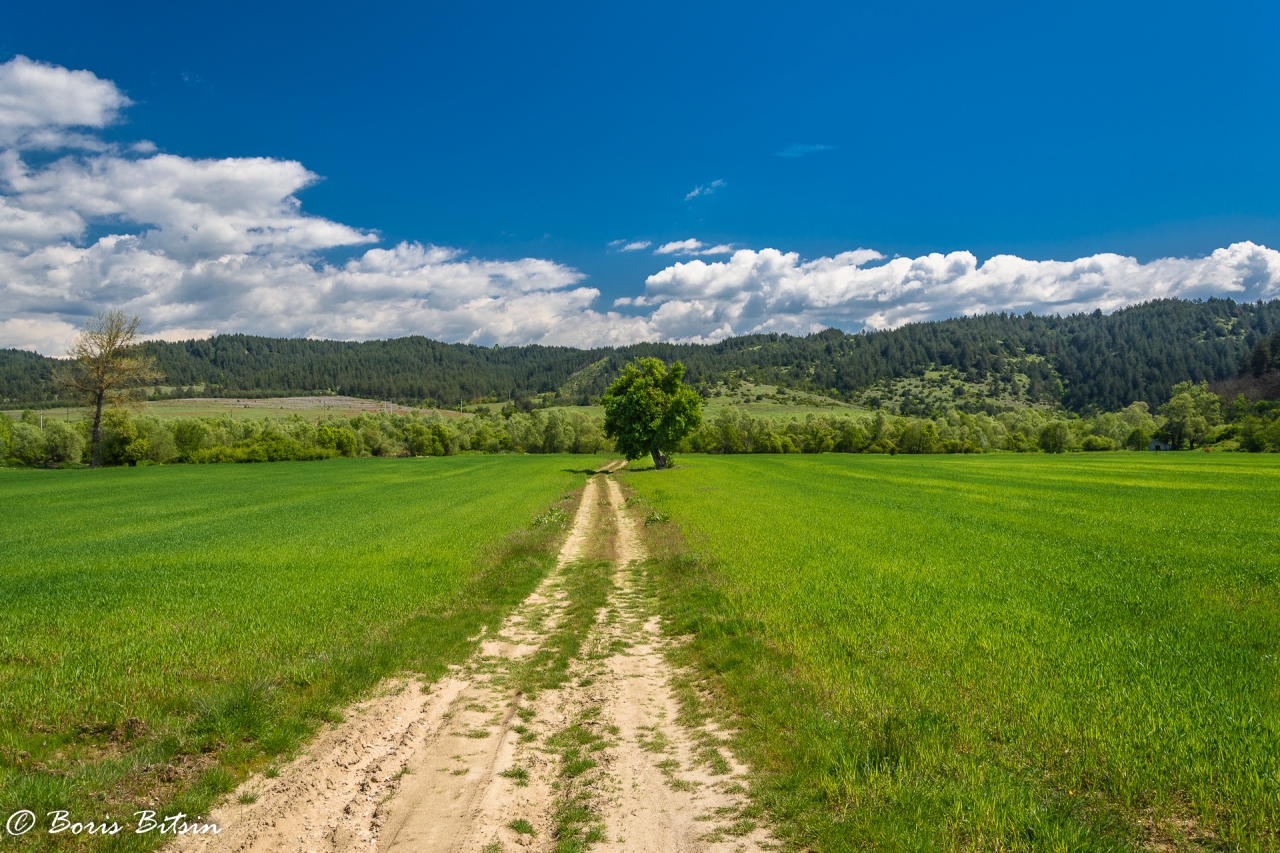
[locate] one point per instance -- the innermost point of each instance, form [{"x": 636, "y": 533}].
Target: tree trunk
[
  {"x": 659, "y": 461},
  {"x": 95, "y": 452}
]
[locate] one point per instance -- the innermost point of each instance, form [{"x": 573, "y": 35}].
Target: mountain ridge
[{"x": 1083, "y": 362}]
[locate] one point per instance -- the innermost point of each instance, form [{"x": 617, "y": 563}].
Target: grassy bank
[
  {"x": 1006, "y": 653},
  {"x": 164, "y": 629}
]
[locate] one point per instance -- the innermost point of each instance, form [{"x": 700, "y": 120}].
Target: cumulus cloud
[
  {"x": 197, "y": 246},
  {"x": 797, "y": 149},
  {"x": 703, "y": 190},
  {"x": 769, "y": 290},
  {"x": 203, "y": 246},
  {"x": 39, "y": 98}
]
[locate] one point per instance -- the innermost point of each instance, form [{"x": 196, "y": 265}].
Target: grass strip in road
[
  {"x": 576, "y": 818},
  {"x": 587, "y": 584}
]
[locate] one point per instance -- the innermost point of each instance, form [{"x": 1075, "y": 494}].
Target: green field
[
  {"x": 1000, "y": 652},
  {"x": 164, "y": 628},
  {"x": 310, "y": 408},
  {"x": 991, "y": 653},
  {"x": 793, "y": 403}
]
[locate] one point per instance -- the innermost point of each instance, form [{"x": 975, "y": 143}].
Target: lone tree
[
  {"x": 647, "y": 410},
  {"x": 106, "y": 367}
]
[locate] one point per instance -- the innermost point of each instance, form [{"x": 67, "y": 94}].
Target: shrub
[
  {"x": 1097, "y": 442},
  {"x": 341, "y": 440},
  {"x": 919, "y": 438},
  {"x": 28, "y": 444},
  {"x": 1256, "y": 434},
  {"x": 122, "y": 444},
  {"x": 160, "y": 444},
  {"x": 62, "y": 442},
  {"x": 1138, "y": 439},
  {"x": 428, "y": 439},
  {"x": 1019, "y": 442},
  {"x": 189, "y": 436},
  {"x": 269, "y": 447},
  {"x": 851, "y": 438},
  {"x": 1054, "y": 437}
]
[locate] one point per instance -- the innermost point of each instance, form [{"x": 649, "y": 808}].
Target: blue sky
[{"x": 509, "y": 131}]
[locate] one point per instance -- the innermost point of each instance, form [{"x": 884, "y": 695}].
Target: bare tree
[{"x": 106, "y": 367}]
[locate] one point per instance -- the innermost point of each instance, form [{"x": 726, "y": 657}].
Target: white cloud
[
  {"x": 692, "y": 247},
  {"x": 797, "y": 149},
  {"x": 195, "y": 246},
  {"x": 45, "y": 334},
  {"x": 770, "y": 290},
  {"x": 703, "y": 190},
  {"x": 36, "y": 97},
  {"x": 679, "y": 247},
  {"x": 202, "y": 246}
]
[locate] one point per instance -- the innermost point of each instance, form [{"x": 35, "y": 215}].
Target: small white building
[{"x": 1156, "y": 444}]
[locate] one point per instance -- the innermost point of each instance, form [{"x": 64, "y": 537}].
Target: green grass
[
  {"x": 311, "y": 408},
  {"x": 522, "y": 826},
  {"x": 998, "y": 653},
  {"x": 164, "y": 629}
]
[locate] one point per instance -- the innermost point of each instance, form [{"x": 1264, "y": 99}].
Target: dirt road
[{"x": 487, "y": 760}]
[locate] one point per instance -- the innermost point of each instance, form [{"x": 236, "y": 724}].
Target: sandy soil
[{"x": 453, "y": 765}]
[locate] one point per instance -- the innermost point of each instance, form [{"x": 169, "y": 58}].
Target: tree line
[
  {"x": 649, "y": 410},
  {"x": 1192, "y": 417},
  {"x": 131, "y": 439},
  {"x": 1086, "y": 363}
]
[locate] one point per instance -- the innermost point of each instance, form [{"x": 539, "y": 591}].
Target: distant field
[
  {"x": 995, "y": 653},
  {"x": 771, "y": 404},
  {"x": 797, "y": 403},
  {"x": 270, "y": 407},
  {"x": 225, "y": 609}
]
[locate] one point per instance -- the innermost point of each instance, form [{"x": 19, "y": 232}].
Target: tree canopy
[{"x": 648, "y": 410}]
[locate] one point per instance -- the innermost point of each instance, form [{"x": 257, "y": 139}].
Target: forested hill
[{"x": 1085, "y": 361}]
